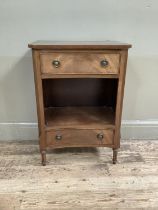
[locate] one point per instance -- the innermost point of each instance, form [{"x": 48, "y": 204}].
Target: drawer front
[
  {"x": 79, "y": 63},
  {"x": 75, "y": 138}
]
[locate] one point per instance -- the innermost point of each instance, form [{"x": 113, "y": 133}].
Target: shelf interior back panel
[{"x": 68, "y": 92}]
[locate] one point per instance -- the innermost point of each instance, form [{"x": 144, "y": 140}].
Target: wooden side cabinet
[{"x": 79, "y": 93}]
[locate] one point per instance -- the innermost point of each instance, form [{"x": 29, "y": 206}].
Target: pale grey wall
[{"x": 25, "y": 21}]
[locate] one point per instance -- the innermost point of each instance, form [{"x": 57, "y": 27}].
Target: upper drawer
[{"x": 79, "y": 63}]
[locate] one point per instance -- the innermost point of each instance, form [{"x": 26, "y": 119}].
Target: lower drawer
[{"x": 79, "y": 138}]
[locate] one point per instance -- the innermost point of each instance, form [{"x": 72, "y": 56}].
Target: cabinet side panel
[
  {"x": 120, "y": 94},
  {"x": 39, "y": 98}
]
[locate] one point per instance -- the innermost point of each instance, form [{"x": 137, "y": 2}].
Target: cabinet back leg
[
  {"x": 43, "y": 155},
  {"x": 115, "y": 152}
]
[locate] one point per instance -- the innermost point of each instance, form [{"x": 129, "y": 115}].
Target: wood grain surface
[
  {"x": 79, "y": 178},
  {"x": 80, "y": 138},
  {"x": 79, "y": 118},
  {"x": 79, "y": 63},
  {"x": 90, "y": 45}
]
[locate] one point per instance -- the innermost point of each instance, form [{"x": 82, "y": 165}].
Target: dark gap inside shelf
[{"x": 80, "y": 102}]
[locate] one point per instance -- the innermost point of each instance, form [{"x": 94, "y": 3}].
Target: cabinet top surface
[{"x": 89, "y": 45}]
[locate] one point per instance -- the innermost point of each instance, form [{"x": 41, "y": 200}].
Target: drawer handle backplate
[
  {"x": 56, "y": 63},
  {"x": 104, "y": 63},
  {"x": 58, "y": 137},
  {"x": 100, "y": 136}
]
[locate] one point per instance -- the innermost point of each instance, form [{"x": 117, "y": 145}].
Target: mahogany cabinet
[{"x": 79, "y": 93}]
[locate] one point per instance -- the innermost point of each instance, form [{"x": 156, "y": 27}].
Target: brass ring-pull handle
[
  {"x": 104, "y": 63},
  {"x": 56, "y": 63},
  {"x": 100, "y": 136},
  {"x": 58, "y": 137}
]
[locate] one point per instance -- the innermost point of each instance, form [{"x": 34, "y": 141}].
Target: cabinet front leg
[
  {"x": 43, "y": 154},
  {"x": 115, "y": 152}
]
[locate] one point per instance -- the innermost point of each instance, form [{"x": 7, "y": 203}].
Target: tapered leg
[
  {"x": 43, "y": 154},
  {"x": 115, "y": 151}
]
